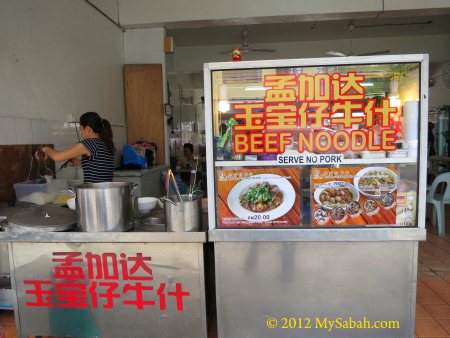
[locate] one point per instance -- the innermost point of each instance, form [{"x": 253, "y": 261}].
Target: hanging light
[
  {"x": 224, "y": 104},
  {"x": 394, "y": 97}
]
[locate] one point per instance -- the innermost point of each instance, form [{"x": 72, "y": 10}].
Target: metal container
[
  {"x": 105, "y": 207},
  {"x": 47, "y": 218},
  {"x": 184, "y": 215}
]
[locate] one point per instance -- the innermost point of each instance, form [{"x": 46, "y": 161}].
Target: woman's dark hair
[
  {"x": 99, "y": 126},
  {"x": 189, "y": 146}
]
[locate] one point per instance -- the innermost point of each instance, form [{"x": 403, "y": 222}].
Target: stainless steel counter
[
  {"x": 318, "y": 235},
  {"x": 145, "y": 281},
  {"x": 149, "y": 236}
]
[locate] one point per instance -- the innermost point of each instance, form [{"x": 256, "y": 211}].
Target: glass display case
[{"x": 302, "y": 144}]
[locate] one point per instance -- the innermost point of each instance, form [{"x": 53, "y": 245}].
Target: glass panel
[{"x": 343, "y": 140}]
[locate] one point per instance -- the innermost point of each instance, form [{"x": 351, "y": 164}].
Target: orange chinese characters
[
  {"x": 280, "y": 88},
  {"x": 281, "y": 116},
  {"x": 348, "y": 87},
  {"x": 345, "y": 113},
  {"x": 252, "y": 120},
  {"x": 314, "y": 88},
  {"x": 385, "y": 112},
  {"x": 314, "y": 114}
]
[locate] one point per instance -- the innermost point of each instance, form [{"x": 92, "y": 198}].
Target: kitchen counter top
[
  {"x": 140, "y": 172},
  {"x": 136, "y": 236},
  {"x": 142, "y": 233}
]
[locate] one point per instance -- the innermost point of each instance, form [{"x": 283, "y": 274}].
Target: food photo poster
[
  {"x": 258, "y": 197},
  {"x": 354, "y": 196}
]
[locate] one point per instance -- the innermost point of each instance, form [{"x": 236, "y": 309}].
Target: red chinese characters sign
[
  {"x": 107, "y": 280},
  {"x": 303, "y": 106}
]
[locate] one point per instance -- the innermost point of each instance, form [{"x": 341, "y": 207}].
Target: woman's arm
[{"x": 64, "y": 155}]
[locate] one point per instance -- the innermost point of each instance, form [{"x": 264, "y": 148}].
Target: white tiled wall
[
  {"x": 61, "y": 134},
  {"x": 8, "y": 130}
]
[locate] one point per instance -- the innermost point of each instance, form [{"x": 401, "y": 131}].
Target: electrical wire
[
  {"x": 31, "y": 166},
  {"x": 422, "y": 23},
  {"x": 78, "y": 135}
]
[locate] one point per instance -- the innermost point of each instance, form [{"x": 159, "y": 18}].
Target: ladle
[{"x": 171, "y": 176}]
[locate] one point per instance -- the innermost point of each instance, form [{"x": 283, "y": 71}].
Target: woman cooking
[{"x": 96, "y": 149}]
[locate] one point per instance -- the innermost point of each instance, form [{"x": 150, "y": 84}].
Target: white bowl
[
  {"x": 378, "y": 173},
  {"x": 71, "y": 203},
  {"x": 146, "y": 203}
]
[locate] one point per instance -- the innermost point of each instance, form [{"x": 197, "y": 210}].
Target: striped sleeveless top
[{"x": 100, "y": 165}]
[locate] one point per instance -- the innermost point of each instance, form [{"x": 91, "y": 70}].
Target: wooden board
[
  {"x": 144, "y": 105},
  {"x": 15, "y": 167}
]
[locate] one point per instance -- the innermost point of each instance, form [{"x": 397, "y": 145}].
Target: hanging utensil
[
  {"x": 43, "y": 172},
  {"x": 193, "y": 178},
  {"x": 170, "y": 176}
]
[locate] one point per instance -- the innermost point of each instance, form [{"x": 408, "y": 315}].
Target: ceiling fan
[
  {"x": 351, "y": 27},
  {"x": 246, "y": 47}
]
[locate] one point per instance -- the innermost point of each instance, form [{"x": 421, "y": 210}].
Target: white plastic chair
[{"x": 439, "y": 196}]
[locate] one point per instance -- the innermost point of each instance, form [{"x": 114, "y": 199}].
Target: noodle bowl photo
[
  {"x": 261, "y": 198},
  {"x": 335, "y": 194},
  {"x": 374, "y": 181}
]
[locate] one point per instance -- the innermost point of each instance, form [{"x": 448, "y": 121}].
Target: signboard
[
  {"x": 258, "y": 197},
  {"x": 354, "y": 196},
  {"x": 319, "y": 113},
  {"x": 110, "y": 289}
]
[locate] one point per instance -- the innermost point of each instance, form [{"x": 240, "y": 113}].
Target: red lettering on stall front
[
  {"x": 179, "y": 294},
  {"x": 68, "y": 258},
  {"x": 138, "y": 289},
  {"x": 162, "y": 296},
  {"x": 66, "y": 270},
  {"x": 138, "y": 266},
  {"x": 43, "y": 298},
  {"x": 71, "y": 295},
  {"x": 94, "y": 261},
  {"x": 109, "y": 294},
  {"x": 90, "y": 288}
]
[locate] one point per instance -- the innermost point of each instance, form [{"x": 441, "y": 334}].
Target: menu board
[
  {"x": 258, "y": 197},
  {"x": 354, "y": 196}
]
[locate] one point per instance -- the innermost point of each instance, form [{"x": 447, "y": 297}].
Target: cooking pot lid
[{"x": 43, "y": 218}]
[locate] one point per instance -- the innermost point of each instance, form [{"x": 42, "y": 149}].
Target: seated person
[{"x": 186, "y": 162}]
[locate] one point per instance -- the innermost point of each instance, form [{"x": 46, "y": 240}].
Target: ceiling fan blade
[
  {"x": 265, "y": 50},
  {"x": 335, "y": 53},
  {"x": 380, "y": 52}
]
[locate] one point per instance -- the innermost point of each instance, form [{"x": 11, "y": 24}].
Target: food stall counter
[
  {"x": 316, "y": 193},
  {"x": 141, "y": 283}
]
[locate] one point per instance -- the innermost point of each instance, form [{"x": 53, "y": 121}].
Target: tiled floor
[
  {"x": 433, "y": 290},
  {"x": 433, "y": 287}
]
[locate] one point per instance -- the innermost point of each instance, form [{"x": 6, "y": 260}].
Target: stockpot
[{"x": 105, "y": 207}]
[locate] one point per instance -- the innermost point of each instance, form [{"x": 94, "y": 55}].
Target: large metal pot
[
  {"x": 184, "y": 215},
  {"x": 103, "y": 207}
]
